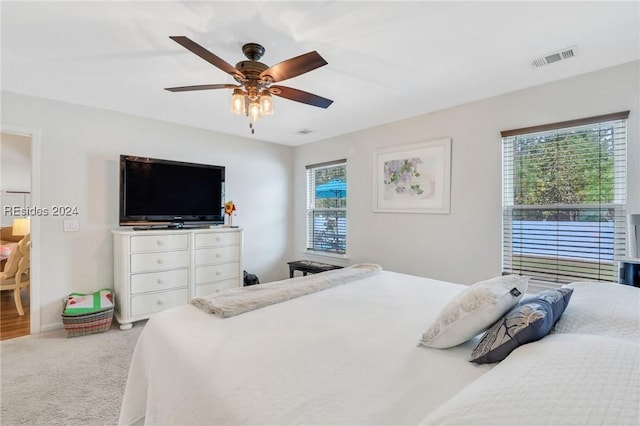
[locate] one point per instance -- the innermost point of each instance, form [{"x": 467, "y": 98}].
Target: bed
[{"x": 350, "y": 354}]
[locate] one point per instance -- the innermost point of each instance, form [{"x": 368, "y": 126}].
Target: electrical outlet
[{"x": 71, "y": 226}]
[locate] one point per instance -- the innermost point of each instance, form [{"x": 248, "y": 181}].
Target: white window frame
[
  {"x": 312, "y": 246},
  {"x": 569, "y": 267}
]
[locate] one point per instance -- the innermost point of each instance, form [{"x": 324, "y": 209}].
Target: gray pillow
[{"x": 528, "y": 321}]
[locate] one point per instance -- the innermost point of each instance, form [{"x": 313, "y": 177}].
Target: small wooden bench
[{"x": 308, "y": 266}]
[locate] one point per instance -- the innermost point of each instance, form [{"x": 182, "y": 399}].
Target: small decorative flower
[{"x": 229, "y": 207}]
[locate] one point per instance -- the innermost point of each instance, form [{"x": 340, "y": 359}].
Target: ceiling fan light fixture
[
  {"x": 253, "y": 111},
  {"x": 252, "y": 96},
  {"x": 237, "y": 101},
  {"x": 266, "y": 102}
]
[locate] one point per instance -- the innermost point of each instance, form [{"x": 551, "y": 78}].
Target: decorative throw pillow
[
  {"x": 530, "y": 320},
  {"x": 474, "y": 310}
]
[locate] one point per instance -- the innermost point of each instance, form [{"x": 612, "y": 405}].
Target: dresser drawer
[
  {"x": 206, "y": 274},
  {"x": 217, "y": 239},
  {"x": 159, "y": 242},
  {"x": 155, "y": 281},
  {"x": 210, "y": 288},
  {"x": 142, "y": 262},
  {"x": 145, "y": 304},
  {"x": 157, "y": 269},
  {"x": 208, "y": 256}
]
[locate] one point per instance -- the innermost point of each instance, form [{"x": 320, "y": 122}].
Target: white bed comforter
[
  {"x": 587, "y": 372},
  {"x": 563, "y": 379},
  {"x": 346, "y": 355}
]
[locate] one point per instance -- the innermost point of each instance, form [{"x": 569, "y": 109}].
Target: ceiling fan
[{"x": 252, "y": 96}]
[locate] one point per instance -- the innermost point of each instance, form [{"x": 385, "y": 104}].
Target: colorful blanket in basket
[{"x": 80, "y": 303}]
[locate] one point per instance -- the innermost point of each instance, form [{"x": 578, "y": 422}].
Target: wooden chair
[{"x": 19, "y": 279}]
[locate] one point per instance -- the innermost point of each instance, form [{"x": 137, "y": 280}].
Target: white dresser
[{"x": 158, "y": 269}]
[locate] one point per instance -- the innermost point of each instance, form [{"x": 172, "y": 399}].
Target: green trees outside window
[{"x": 564, "y": 200}]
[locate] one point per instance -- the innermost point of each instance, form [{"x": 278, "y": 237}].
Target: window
[
  {"x": 564, "y": 199},
  {"x": 327, "y": 207}
]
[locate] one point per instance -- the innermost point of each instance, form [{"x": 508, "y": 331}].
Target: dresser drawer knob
[
  {"x": 218, "y": 239},
  {"x": 218, "y": 255},
  {"x": 160, "y": 261},
  {"x": 218, "y": 273},
  {"x": 160, "y": 242},
  {"x": 159, "y": 302},
  {"x": 160, "y": 280}
]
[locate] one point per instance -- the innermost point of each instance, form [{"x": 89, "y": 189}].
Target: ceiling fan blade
[
  {"x": 194, "y": 47},
  {"x": 300, "y": 96},
  {"x": 201, "y": 87},
  {"x": 294, "y": 67}
]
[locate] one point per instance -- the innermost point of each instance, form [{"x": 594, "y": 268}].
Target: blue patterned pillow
[{"x": 530, "y": 320}]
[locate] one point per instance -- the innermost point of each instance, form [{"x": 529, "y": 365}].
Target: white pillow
[
  {"x": 474, "y": 310},
  {"x": 602, "y": 308}
]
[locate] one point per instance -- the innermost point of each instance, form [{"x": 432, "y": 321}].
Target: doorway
[{"x": 19, "y": 158}]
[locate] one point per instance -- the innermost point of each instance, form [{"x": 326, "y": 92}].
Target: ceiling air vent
[{"x": 563, "y": 54}]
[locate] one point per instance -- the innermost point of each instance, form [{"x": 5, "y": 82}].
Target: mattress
[
  {"x": 349, "y": 355},
  {"x": 346, "y": 355}
]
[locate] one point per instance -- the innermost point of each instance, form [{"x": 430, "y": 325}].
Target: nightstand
[{"x": 629, "y": 271}]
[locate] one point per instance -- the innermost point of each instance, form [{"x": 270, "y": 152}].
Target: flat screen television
[{"x": 165, "y": 193}]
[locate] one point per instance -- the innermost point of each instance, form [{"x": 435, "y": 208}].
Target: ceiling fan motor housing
[
  {"x": 251, "y": 70},
  {"x": 253, "y": 51}
]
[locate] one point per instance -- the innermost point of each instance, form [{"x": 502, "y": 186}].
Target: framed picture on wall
[{"x": 413, "y": 178}]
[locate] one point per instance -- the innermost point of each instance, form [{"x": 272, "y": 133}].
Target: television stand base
[{"x": 152, "y": 227}]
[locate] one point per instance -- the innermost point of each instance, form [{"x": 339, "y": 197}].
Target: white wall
[
  {"x": 80, "y": 148},
  {"x": 15, "y": 174},
  {"x": 15, "y": 161},
  {"x": 464, "y": 246}
]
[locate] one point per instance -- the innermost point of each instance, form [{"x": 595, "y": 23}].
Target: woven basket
[{"x": 82, "y": 325}]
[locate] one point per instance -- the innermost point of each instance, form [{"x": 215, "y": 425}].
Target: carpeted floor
[{"x": 49, "y": 379}]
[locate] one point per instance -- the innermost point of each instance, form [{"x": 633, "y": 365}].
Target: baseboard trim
[{"x": 51, "y": 327}]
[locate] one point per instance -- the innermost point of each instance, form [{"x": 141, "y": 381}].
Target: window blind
[
  {"x": 327, "y": 207},
  {"x": 564, "y": 199}
]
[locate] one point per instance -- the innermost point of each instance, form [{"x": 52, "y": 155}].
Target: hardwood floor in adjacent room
[{"x": 11, "y": 324}]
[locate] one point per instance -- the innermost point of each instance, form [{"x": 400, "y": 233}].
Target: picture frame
[{"x": 413, "y": 178}]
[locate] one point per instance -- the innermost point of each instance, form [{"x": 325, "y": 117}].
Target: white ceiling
[{"x": 386, "y": 60}]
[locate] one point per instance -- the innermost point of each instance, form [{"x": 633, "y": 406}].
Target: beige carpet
[{"x": 49, "y": 379}]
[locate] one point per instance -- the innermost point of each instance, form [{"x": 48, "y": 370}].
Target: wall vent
[{"x": 558, "y": 56}]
